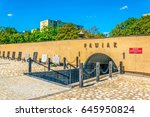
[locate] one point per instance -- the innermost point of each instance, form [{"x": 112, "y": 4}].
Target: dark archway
[{"x": 104, "y": 61}]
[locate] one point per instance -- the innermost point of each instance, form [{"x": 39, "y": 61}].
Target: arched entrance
[{"x": 104, "y": 63}]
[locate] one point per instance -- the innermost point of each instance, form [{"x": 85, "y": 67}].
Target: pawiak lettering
[{"x": 103, "y": 45}]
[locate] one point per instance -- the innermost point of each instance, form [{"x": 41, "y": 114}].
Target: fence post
[
  {"x": 70, "y": 76},
  {"x": 30, "y": 65},
  {"x": 77, "y": 61},
  {"x": 97, "y": 71},
  {"x": 121, "y": 67},
  {"x": 110, "y": 69},
  {"x": 49, "y": 64},
  {"x": 81, "y": 75},
  {"x": 64, "y": 62}
]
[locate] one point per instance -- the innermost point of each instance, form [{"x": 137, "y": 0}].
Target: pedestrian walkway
[
  {"x": 24, "y": 87},
  {"x": 14, "y": 85},
  {"x": 122, "y": 87}
]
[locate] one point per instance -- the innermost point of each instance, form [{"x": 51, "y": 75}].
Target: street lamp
[{"x": 81, "y": 34}]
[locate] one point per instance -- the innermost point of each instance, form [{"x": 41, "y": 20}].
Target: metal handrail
[
  {"x": 72, "y": 61},
  {"x": 50, "y": 68},
  {"x": 71, "y": 65},
  {"x": 39, "y": 63}
]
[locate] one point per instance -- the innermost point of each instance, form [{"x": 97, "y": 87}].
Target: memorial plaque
[
  {"x": 19, "y": 56},
  {"x": 44, "y": 58},
  {"x": 13, "y": 55},
  {"x": 27, "y": 56},
  {"x": 56, "y": 59},
  {"x": 8, "y": 54},
  {"x": 35, "y": 55},
  {"x": 135, "y": 50},
  {"x": 3, "y": 54}
]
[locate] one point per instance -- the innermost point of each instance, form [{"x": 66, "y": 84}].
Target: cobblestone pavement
[
  {"x": 24, "y": 87},
  {"x": 15, "y": 86},
  {"x": 14, "y": 68},
  {"x": 122, "y": 87}
]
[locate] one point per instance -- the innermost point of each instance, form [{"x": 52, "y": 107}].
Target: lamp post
[{"x": 81, "y": 34}]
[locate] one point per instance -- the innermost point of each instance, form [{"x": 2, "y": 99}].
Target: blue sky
[{"x": 105, "y": 14}]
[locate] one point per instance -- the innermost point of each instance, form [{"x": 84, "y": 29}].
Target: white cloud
[
  {"x": 9, "y": 14},
  {"x": 124, "y": 7}
]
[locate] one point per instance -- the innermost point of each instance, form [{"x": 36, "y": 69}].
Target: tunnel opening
[
  {"x": 90, "y": 64},
  {"x": 70, "y": 76}
]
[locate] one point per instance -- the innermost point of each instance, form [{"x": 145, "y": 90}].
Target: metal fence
[
  {"x": 73, "y": 74},
  {"x": 68, "y": 77}
]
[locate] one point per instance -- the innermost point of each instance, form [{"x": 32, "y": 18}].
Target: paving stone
[
  {"x": 14, "y": 85},
  {"x": 120, "y": 88}
]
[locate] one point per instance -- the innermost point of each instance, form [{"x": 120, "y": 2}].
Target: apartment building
[{"x": 54, "y": 23}]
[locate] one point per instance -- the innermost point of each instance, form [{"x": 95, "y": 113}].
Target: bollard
[
  {"x": 110, "y": 69},
  {"x": 77, "y": 61},
  {"x": 40, "y": 60},
  {"x": 64, "y": 62},
  {"x": 70, "y": 76},
  {"x": 121, "y": 67},
  {"x": 30, "y": 64},
  {"x": 81, "y": 75},
  {"x": 49, "y": 64},
  {"x": 97, "y": 71}
]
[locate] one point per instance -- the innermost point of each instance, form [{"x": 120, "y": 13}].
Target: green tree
[
  {"x": 35, "y": 35},
  {"x": 142, "y": 26},
  {"x": 10, "y": 30},
  {"x": 48, "y": 33},
  {"x": 68, "y": 31},
  {"x": 132, "y": 26},
  {"x": 93, "y": 32},
  {"x": 17, "y": 38},
  {"x": 6, "y": 34},
  {"x": 124, "y": 28},
  {"x": 27, "y": 36}
]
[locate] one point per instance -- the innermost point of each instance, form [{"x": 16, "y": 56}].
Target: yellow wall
[{"x": 71, "y": 48}]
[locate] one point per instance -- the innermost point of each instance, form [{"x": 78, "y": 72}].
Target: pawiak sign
[{"x": 135, "y": 50}]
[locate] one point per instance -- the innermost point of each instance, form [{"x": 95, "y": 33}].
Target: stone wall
[{"x": 84, "y": 48}]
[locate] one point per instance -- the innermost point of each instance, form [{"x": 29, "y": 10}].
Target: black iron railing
[{"x": 49, "y": 69}]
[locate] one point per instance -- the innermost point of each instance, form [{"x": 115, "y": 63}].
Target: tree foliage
[
  {"x": 93, "y": 32},
  {"x": 132, "y": 26},
  {"x": 67, "y": 31}
]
